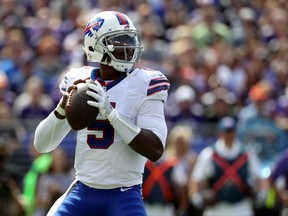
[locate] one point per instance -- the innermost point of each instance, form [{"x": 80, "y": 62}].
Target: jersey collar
[{"x": 107, "y": 85}]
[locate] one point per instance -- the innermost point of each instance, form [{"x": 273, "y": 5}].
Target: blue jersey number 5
[
  {"x": 104, "y": 127},
  {"x": 107, "y": 138}
]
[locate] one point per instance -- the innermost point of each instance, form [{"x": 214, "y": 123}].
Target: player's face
[{"x": 123, "y": 47}]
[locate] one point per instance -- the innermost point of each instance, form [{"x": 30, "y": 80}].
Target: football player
[{"x": 130, "y": 128}]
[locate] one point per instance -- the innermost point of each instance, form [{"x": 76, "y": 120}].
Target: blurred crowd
[{"x": 222, "y": 57}]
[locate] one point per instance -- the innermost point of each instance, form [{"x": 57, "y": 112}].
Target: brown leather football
[{"x": 78, "y": 113}]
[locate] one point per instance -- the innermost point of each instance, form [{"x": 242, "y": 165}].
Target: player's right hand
[{"x": 97, "y": 92}]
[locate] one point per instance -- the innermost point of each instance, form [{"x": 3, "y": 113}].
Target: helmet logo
[{"x": 95, "y": 25}]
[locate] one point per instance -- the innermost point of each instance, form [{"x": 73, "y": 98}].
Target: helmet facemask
[
  {"x": 120, "y": 50},
  {"x": 123, "y": 49}
]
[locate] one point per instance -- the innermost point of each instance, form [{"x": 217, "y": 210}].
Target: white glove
[
  {"x": 126, "y": 130},
  {"x": 96, "y": 91}
]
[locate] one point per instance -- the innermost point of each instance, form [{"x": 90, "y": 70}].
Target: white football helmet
[{"x": 111, "y": 39}]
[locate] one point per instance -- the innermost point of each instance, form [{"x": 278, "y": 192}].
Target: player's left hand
[{"x": 96, "y": 91}]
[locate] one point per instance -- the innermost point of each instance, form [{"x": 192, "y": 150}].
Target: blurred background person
[
  {"x": 11, "y": 199},
  {"x": 218, "y": 103},
  {"x": 40, "y": 164},
  {"x": 6, "y": 94},
  {"x": 48, "y": 65},
  {"x": 33, "y": 104},
  {"x": 179, "y": 141},
  {"x": 159, "y": 191},
  {"x": 279, "y": 181},
  {"x": 52, "y": 184},
  {"x": 225, "y": 178},
  {"x": 258, "y": 105},
  {"x": 12, "y": 134},
  {"x": 209, "y": 27},
  {"x": 182, "y": 107},
  {"x": 15, "y": 51}
]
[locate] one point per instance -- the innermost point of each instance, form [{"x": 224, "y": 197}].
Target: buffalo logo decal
[{"x": 94, "y": 24}]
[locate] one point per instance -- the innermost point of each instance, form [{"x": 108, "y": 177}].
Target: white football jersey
[{"x": 102, "y": 159}]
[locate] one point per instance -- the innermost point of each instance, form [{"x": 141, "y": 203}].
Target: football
[{"x": 78, "y": 113}]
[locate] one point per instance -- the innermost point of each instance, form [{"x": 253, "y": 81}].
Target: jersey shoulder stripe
[
  {"x": 154, "y": 83},
  {"x": 158, "y": 84},
  {"x": 158, "y": 80}
]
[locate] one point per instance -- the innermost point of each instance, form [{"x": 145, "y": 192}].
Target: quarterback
[{"x": 130, "y": 128}]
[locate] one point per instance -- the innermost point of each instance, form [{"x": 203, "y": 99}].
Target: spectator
[
  {"x": 11, "y": 172},
  {"x": 11, "y": 201},
  {"x": 231, "y": 74},
  {"x": 210, "y": 28},
  {"x": 40, "y": 164},
  {"x": 13, "y": 53},
  {"x": 258, "y": 106},
  {"x": 153, "y": 45},
  {"x": 281, "y": 116},
  {"x": 279, "y": 180},
  {"x": 27, "y": 70},
  {"x": 179, "y": 142},
  {"x": 33, "y": 104},
  {"x": 48, "y": 65},
  {"x": 207, "y": 66},
  {"x": 225, "y": 177},
  {"x": 72, "y": 43},
  {"x": 12, "y": 133},
  {"x": 159, "y": 192},
  {"x": 218, "y": 103},
  {"x": 179, "y": 108},
  {"x": 52, "y": 184},
  {"x": 182, "y": 49},
  {"x": 6, "y": 95}
]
